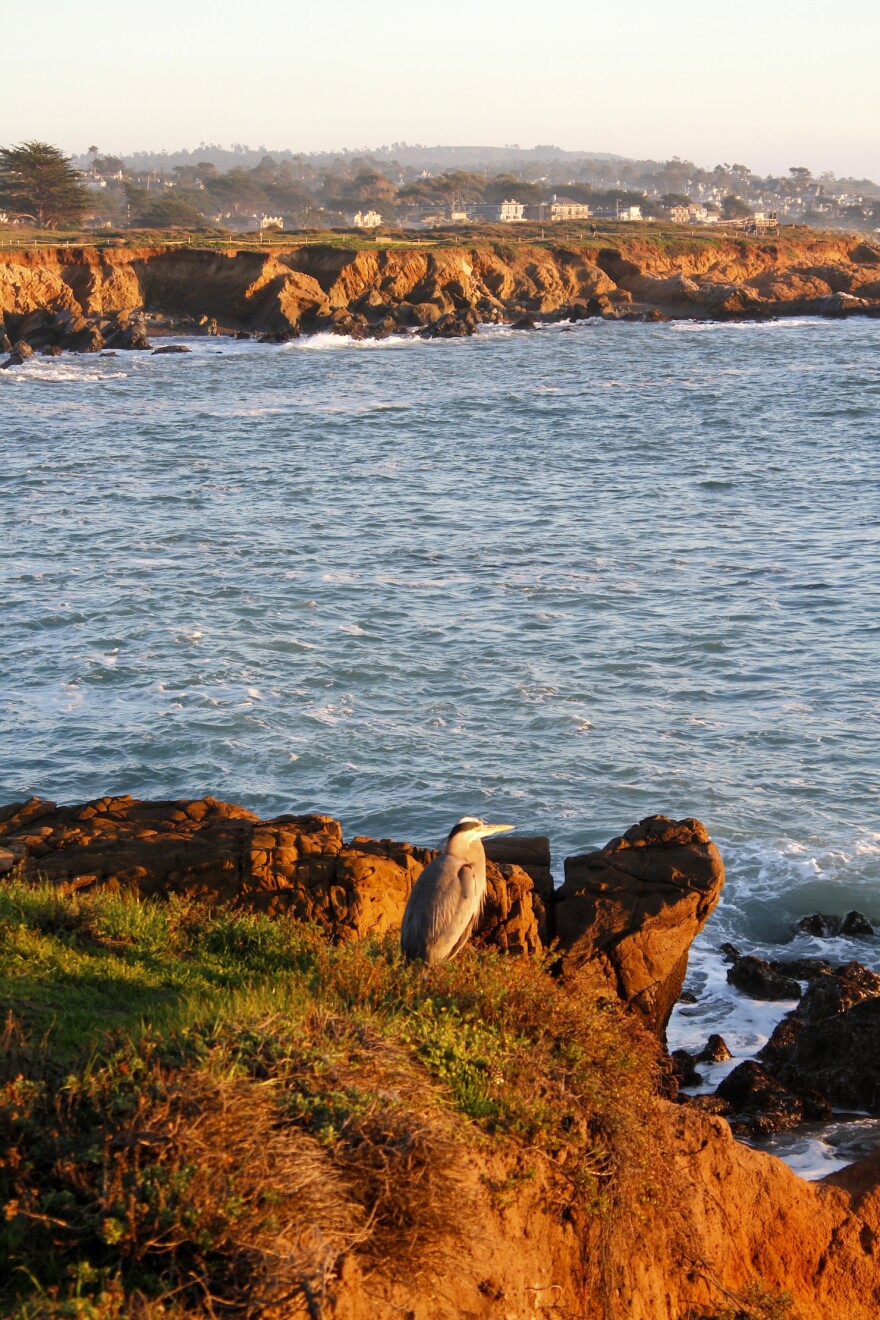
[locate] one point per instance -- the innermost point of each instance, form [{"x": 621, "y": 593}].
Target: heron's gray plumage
[{"x": 447, "y": 899}]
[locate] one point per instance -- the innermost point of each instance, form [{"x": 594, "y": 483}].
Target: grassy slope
[{"x": 204, "y": 1110}]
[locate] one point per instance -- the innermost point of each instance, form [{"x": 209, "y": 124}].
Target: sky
[{"x": 767, "y": 85}]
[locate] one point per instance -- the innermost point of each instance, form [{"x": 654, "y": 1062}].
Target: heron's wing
[{"x": 440, "y": 910}]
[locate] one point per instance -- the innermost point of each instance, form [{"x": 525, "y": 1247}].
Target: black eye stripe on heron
[
  {"x": 447, "y": 898},
  {"x": 466, "y": 823}
]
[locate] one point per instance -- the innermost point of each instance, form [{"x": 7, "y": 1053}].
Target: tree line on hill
[{"x": 41, "y": 186}]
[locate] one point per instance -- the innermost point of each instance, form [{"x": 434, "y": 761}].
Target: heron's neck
[{"x": 472, "y": 852}]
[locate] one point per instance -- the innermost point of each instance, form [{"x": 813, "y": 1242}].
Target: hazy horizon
[
  {"x": 385, "y": 150},
  {"x": 751, "y": 87}
]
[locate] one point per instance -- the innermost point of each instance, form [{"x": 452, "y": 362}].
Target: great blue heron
[{"x": 448, "y": 896}]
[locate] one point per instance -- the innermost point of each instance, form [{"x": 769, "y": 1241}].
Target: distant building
[
  {"x": 367, "y": 220},
  {"x": 630, "y": 213},
  {"x": 679, "y": 215},
  {"x": 271, "y": 222},
  {"x": 510, "y": 211},
  {"x": 507, "y": 212},
  {"x": 557, "y": 209}
]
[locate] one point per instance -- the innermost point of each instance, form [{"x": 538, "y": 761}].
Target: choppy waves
[{"x": 574, "y": 576}]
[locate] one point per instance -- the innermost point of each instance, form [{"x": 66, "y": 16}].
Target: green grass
[
  {"x": 182, "y": 1089},
  {"x": 671, "y": 239}
]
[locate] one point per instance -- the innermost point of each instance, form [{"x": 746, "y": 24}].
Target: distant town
[{"x": 238, "y": 190}]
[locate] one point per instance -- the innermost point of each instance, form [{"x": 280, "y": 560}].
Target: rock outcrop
[
  {"x": 628, "y": 913},
  {"x": 624, "y": 919},
  {"x": 218, "y": 852},
  {"x": 75, "y": 297},
  {"x": 831, "y": 1041}
]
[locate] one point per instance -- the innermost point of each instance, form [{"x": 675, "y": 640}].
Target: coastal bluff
[
  {"x": 716, "y": 1225},
  {"x": 89, "y": 298}
]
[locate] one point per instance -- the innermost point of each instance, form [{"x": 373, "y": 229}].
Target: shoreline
[{"x": 87, "y": 299}]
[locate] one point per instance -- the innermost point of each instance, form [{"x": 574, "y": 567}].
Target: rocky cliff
[
  {"x": 84, "y": 298},
  {"x": 702, "y": 1227}
]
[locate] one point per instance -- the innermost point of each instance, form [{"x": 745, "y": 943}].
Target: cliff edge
[{"x": 88, "y": 298}]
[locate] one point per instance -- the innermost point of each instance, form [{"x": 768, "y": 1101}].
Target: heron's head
[{"x": 468, "y": 830}]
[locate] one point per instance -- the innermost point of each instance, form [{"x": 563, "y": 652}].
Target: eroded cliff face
[{"x": 313, "y": 287}]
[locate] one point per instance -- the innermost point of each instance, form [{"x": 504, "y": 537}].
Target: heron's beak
[{"x": 494, "y": 829}]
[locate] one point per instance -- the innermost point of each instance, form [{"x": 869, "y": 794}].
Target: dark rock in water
[
  {"x": 781, "y": 1041},
  {"x": 760, "y": 1104},
  {"x": 649, "y": 317},
  {"x": 5, "y": 343},
  {"x": 826, "y": 924},
  {"x": 601, "y": 305},
  {"x": 109, "y": 353},
  {"x": 524, "y": 323},
  {"x": 802, "y": 969},
  {"x": 172, "y": 348},
  {"x": 757, "y": 979},
  {"x": 581, "y": 312},
  {"x": 835, "y": 992},
  {"x": 684, "y": 1069},
  {"x": 454, "y": 325},
  {"x": 82, "y": 336},
  {"x": 832, "y": 1039},
  {"x": 731, "y": 953},
  {"x": 714, "y": 1051},
  {"x": 126, "y": 333},
  {"x": 242, "y": 334},
  {"x": 819, "y": 923},
  {"x": 687, "y": 997},
  {"x": 854, "y": 923},
  {"x": 382, "y": 329},
  {"x": 21, "y": 351},
  {"x": 628, "y": 913},
  {"x": 209, "y": 325},
  {"x": 839, "y": 1055},
  {"x": 277, "y": 337},
  {"x": 50, "y": 350},
  {"x": 135, "y": 338}
]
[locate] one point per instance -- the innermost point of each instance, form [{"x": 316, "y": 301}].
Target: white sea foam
[
  {"x": 39, "y": 370},
  {"x": 329, "y": 343}
]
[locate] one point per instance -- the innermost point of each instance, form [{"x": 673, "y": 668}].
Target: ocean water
[{"x": 565, "y": 578}]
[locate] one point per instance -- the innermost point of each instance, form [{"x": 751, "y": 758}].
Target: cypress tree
[{"x": 38, "y": 179}]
